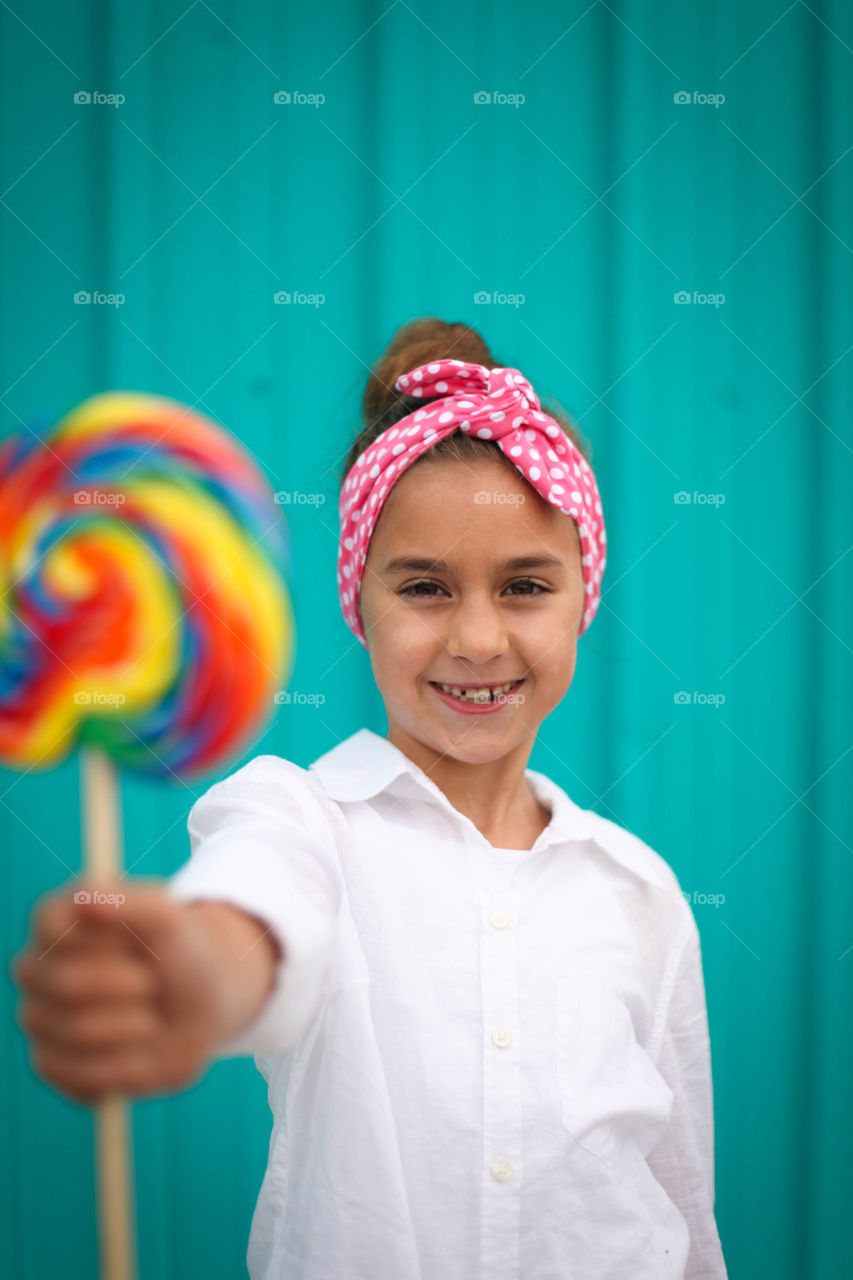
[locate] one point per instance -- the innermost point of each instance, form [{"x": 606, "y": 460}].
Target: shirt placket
[{"x": 501, "y": 1172}]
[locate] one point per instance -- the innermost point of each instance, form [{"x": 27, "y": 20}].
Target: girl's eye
[{"x": 412, "y": 590}]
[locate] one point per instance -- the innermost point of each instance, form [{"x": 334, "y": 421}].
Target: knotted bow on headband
[{"x": 493, "y": 404}]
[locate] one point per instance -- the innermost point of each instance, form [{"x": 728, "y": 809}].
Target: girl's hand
[{"x": 128, "y": 990}]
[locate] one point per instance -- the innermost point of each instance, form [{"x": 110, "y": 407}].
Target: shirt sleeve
[
  {"x": 261, "y": 841},
  {"x": 683, "y": 1159}
]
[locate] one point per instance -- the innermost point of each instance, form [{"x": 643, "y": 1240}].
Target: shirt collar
[{"x": 365, "y": 763}]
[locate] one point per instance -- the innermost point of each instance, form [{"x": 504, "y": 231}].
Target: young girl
[{"x": 480, "y": 1008}]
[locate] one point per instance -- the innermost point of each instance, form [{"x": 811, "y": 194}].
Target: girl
[{"x": 479, "y": 1008}]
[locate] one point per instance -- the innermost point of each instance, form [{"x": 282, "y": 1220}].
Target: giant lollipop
[{"x": 144, "y": 614}]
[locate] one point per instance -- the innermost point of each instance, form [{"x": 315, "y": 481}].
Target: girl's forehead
[{"x": 452, "y": 510}]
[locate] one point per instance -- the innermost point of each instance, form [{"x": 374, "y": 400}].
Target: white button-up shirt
[{"x": 483, "y": 1063}]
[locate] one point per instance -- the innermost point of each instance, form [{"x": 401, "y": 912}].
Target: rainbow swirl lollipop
[{"x": 143, "y": 600}]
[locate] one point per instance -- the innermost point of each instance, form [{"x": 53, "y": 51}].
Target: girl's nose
[{"x": 476, "y": 630}]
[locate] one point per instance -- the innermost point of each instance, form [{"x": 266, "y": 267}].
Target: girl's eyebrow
[{"x": 424, "y": 564}]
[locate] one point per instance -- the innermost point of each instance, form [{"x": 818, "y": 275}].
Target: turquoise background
[{"x": 598, "y": 199}]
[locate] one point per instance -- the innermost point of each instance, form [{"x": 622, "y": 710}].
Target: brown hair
[{"x": 414, "y": 344}]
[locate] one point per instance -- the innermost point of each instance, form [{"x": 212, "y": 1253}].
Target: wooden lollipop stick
[{"x": 103, "y": 863}]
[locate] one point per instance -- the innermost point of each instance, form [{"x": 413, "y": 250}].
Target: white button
[
  {"x": 499, "y": 919},
  {"x": 501, "y": 1170},
  {"x": 502, "y": 1036}
]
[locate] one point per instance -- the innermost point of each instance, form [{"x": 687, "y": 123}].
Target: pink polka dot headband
[{"x": 491, "y": 404}]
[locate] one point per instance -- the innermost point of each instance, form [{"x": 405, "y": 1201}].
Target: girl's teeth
[{"x": 478, "y": 695}]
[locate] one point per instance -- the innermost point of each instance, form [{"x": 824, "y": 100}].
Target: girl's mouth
[{"x": 479, "y": 701}]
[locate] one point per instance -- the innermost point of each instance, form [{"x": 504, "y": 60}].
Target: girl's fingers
[
  {"x": 81, "y": 1031},
  {"x": 126, "y": 910},
  {"x": 136, "y": 1071},
  {"x": 82, "y": 981}
]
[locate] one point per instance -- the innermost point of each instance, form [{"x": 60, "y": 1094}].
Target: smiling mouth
[{"x": 481, "y": 694}]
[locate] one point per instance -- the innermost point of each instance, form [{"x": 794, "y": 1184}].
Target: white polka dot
[
  {"x": 433, "y": 368},
  {"x": 552, "y": 431},
  {"x": 418, "y": 375},
  {"x": 484, "y": 433},
  {"x": 399, "y": 448},
  {"x": 535, "y": 473},
  {"x": 515, "y": 450},
  {"x": 440, "y": 386},
  {"x": 497, "y": 417},
  {"x": 417, "y": 391},
  {"x": 374, "y": 470},
  {"x": 446, "y": 417}
]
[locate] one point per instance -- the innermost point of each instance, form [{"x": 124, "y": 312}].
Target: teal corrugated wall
[{"x": 598, "y": 199}]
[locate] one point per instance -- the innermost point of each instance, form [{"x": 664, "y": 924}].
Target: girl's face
[{"x": 462, "y": 616}]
